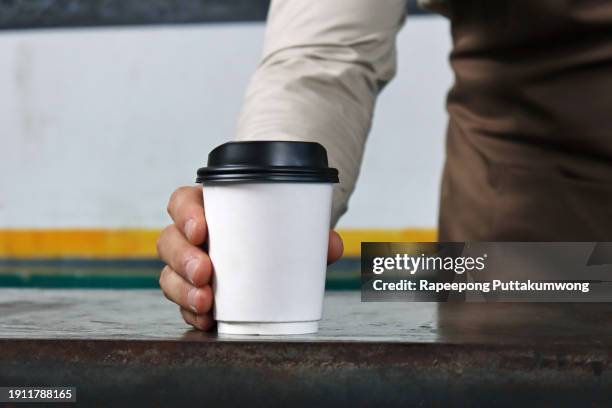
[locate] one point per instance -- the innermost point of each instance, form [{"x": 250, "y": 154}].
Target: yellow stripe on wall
[
  {"x": 78, "y": 243},
  {"x": 353, "y": 238},
  {"x": 140, "y": 243}
]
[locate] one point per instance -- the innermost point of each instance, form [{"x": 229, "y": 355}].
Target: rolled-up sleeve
[{"x": 323, "y": 65}]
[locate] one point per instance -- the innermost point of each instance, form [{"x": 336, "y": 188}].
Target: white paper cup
[{"x": 268, "y": 244}]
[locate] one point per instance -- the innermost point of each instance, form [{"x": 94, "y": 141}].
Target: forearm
[{"x": 324, "y": 64}]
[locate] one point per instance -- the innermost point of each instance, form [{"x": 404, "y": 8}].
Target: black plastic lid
[{"x": 268, "y": 161}]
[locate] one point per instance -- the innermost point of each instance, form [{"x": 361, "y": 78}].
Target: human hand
[{"x": 186, "y": 278}]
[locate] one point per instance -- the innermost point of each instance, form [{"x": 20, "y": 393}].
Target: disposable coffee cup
[{"x": 268, "y": 205}]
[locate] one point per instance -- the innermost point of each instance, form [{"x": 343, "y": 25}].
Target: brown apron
[{"x": 529, "y": 143}]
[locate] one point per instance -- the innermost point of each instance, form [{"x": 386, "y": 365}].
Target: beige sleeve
[{"x": 323, "y": 65}]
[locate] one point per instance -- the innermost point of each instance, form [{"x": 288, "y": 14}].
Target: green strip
[
  {"x": 343, "y": 275},
  {"x": 79, "y": 282}
]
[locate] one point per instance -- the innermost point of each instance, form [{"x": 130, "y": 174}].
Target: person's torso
[{"x": 531, "y": 114}]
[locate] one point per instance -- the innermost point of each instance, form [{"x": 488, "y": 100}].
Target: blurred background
[{"x": 107, "y": 106}]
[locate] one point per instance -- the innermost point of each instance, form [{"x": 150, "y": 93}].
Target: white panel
[
  {"x": 98, "y": 126},
  {"x": 400, "y": 177}
]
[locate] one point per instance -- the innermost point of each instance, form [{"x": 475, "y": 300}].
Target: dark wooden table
[{"x": 127, "y": 347}]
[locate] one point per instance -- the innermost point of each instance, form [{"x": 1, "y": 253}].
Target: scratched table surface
[
  {"x": 147, "y": 315},
  {"x": 124, "y": 346}
]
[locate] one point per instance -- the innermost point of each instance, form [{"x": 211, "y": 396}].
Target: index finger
[{"x": 186, "y": 207}]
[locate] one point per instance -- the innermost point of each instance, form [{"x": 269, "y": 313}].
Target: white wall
[{"x": 98, "y": 126}]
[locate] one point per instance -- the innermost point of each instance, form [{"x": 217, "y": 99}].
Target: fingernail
[
  {"x": 190, "y": 226},
  {"x": 191, "y": 299},
  {"x": 191, "y": 267}
]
